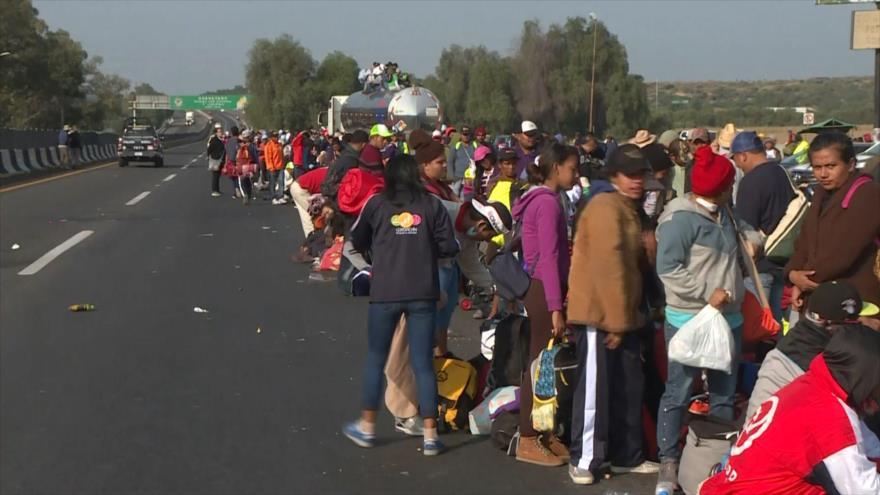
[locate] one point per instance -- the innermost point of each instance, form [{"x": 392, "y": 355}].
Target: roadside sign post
[
  {"x": 809, "y": 118},
  {"x": 866, "y": 36}
]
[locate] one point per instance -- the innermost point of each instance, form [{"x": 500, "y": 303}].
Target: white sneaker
[
  {"x": 215, "y": 194},
  {"x": 282, "y": 201},
  {"x": 275, "y": 202},
  {"x": 580, "y": 476},
  {"x": 410, "y": 426},
  {"x": 646, "y": 467}
]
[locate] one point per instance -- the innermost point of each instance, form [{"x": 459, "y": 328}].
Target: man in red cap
[
  {"x": 480, "y": 136},
  {"x": 697, "y": 260}
]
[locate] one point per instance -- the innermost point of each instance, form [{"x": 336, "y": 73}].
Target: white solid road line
[
  {"x": 135, "y": 200},
  {"x": 55, "y": 252},
  {"x": 166, "y": 179}
]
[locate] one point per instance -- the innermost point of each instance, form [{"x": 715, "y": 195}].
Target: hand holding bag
[{"x": 705, "y": 341}]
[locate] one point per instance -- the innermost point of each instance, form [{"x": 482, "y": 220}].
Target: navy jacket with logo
[{"x": 405, "y": 243}]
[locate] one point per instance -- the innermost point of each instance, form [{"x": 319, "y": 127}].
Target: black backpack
[
  {"x": 565, "y": 364},
  {"x": 510, "y": 357}
]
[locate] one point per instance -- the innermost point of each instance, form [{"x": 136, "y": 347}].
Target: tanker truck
[{"x": 415, "y": 107}]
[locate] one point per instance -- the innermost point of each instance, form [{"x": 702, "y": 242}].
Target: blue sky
[{"x": 188, "y": 46}]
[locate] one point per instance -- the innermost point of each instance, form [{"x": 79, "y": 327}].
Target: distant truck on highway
[
  {"x": 415, "y": 107},
  {"x": 190, "y": 118}
]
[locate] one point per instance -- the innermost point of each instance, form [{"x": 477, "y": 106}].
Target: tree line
[
  {"x": 547, "y": 80},
  {"x": 48, "y": 79}
]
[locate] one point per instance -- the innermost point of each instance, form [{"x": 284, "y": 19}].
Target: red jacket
[{"x": 805, "y": 440}]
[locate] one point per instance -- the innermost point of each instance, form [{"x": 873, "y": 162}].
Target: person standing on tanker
[
  {"x": 545, "y": 255},
  {"x": 407, "y": 230}
]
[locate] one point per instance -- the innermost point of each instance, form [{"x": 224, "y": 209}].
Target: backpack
[
  {"x": 707, "y": 444},
  {"x": 504, "y": 427},
  {"x": 779, "y": 245},
  {"x": 456, "y": 390},
  {"x": 565, "y": 365},
  {"x": 510, "y": 356},
  {"x": 511, "y": 279},
  {"x": 544, "y": 402}
]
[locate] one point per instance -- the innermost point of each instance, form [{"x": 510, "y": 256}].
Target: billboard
[{"x": 207, "y": 102}]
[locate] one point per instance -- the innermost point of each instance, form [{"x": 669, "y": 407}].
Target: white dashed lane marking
[
  {"x": 135, "y": 200},
  {"x": 55, "y": 252}
]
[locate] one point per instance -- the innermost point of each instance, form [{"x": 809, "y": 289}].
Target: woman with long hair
[
  {"x": 546, "y": 258},
  {"x": 405, "y": 230}
]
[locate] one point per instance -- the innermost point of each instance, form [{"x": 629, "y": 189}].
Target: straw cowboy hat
[{"x": 643, "y": 138}]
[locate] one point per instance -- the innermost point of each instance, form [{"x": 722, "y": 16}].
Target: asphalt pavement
[{"x": 144, "y": 395}]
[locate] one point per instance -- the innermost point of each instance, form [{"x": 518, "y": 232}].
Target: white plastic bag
[{"x": 704, "y": 342}]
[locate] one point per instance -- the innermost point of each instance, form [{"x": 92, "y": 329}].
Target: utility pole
[
  {"x": 593, "y": 75},
  {"x": 657, "y": 94}
]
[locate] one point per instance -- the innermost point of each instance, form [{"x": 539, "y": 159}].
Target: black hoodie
[
  {"x": 405, "y": 243},
  {"x": 853, "y": 358}
]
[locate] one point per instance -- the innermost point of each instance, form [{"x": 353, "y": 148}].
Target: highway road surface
[{"x": 144, "y": 395}]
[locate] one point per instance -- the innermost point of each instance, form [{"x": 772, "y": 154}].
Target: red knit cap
[{"x": 712, "y": 174}]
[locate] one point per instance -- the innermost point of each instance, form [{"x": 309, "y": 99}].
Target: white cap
[
  {"x": 436, "y": 133},
  {"x": 218, "y": 126},
  {"x": 528, "y": 125}
]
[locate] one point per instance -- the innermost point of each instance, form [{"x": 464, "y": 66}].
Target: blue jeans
[
  {"x": 676, "y": 397},
  {"x": 382, "y": 320},
  {"x": 448, "y": 277},
  {"x": 276, "y": 183},
  {"x": 773, "y": 287}
]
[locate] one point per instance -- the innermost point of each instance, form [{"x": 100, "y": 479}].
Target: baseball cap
[
  {"x": 465, "y": 130},
  {"x": 528, "y": 127},
  {"x": 627, "y": 159},
  {"x": 480, "y": 132},
  {"x": 380, "y": 130},
  {"x": 216, "y": 126},
  {"x": 482, "y": 152},
  {"x": 699, "y": 134},
  {"x": 495, "y": 213},
  {"x": 359, "y": 137},
  {"x": 838, "y": 302},
  {"x": 436, "y": 134},
  {"x": 507, "y": 154},
  {"x": 746, "y": 141}
]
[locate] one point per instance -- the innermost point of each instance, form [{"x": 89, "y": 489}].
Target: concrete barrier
[{"x": 25, "y": 151}]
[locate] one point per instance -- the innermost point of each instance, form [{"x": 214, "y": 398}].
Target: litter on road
[
  {"x": 76, "y": 308},
  {"x": 199, "y": 310},
  {"x": 16, "y": 247}
]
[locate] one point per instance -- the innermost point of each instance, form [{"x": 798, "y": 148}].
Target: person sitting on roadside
[
  {"x": 838, "y": 237},
  {"x": 405, "y": 230},
  {"x": 809, "y": 437},
  {"x": 834, "y": 307}
]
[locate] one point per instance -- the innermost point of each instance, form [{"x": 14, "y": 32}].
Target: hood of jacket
[
  {"x": 535, "y": 193},
  {"x": 851, "y": 357}
]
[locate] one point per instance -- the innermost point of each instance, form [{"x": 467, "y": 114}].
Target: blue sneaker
[
  {"x": 353, "y": 432},
  {"x": 433, "y": 447}
]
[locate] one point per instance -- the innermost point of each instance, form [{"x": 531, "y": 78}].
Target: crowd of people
[{"x": 612, "y": 249}]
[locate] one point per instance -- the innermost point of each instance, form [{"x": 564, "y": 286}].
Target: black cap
[
  {"x": 506, "y": 154},
  {"x": 627, "y": 159},
  {"x": 359, "y": 136},
  {"x": 837, "y": 302}
]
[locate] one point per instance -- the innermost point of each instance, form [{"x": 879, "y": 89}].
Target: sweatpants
[{"x": 607, "y": 407}]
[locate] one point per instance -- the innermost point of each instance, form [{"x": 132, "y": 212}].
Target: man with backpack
[
  {"x": 762, "y": 200},
  {"x": 347, "y": 160}
]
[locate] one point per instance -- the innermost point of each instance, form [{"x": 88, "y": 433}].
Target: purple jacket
[{"x": 545, "y": 239}]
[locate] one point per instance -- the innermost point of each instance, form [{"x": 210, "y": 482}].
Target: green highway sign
[
  {"x": 207, "y": 102},
  {"x": 842, "y": 2}
]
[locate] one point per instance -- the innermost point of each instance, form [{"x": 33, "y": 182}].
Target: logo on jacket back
[{"x": 406, "y": 223}]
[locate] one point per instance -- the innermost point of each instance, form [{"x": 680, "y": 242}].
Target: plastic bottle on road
[{"x": 81, "y": 307}]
